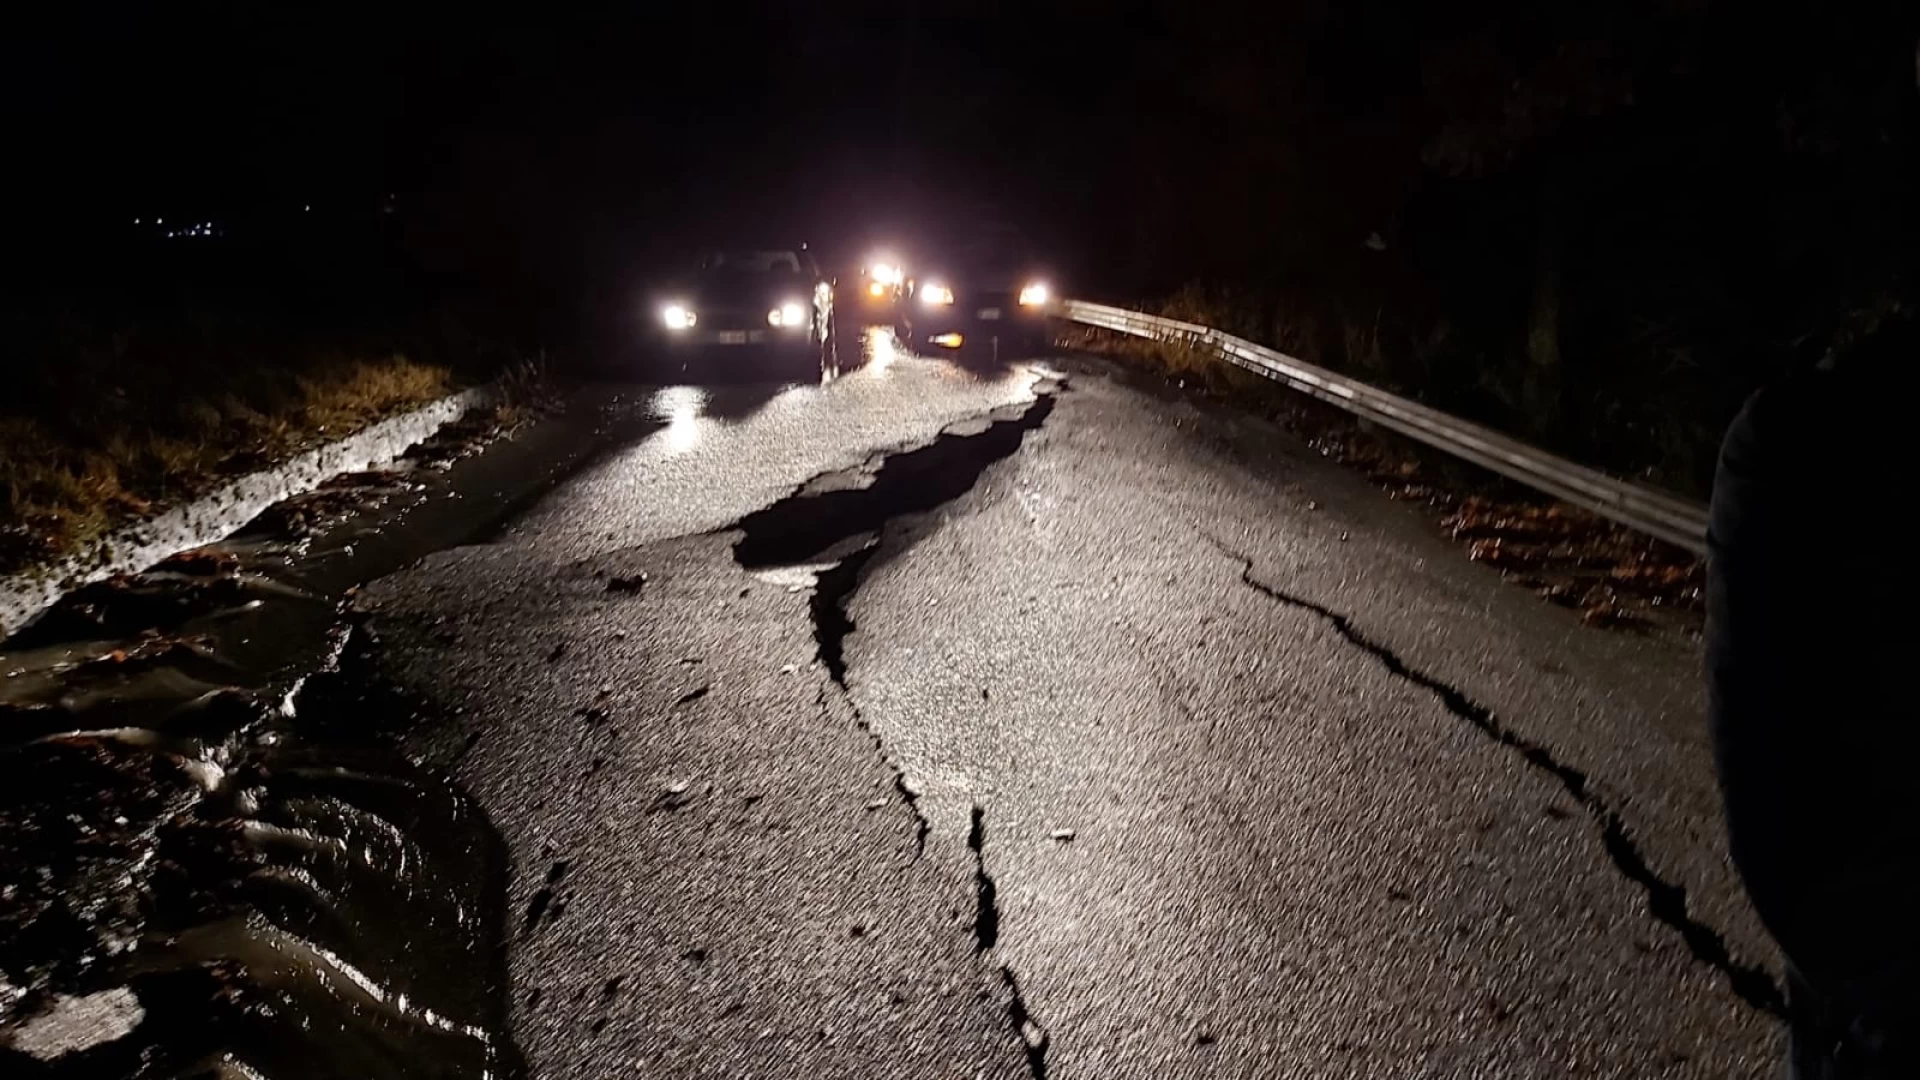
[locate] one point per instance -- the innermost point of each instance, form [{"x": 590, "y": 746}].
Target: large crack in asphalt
[
  {"x": 1666, "y": 900},
  {"x": 1034, "y": 1039},
  {"x": 836, "y": 523},
  {"x": 986, "y": 914},
  {"x": 832, "y": 588},
  {"x": 842, "y": 506}
]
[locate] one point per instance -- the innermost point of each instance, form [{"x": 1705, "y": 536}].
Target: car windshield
[
  {"x": 752, "y": 263},
  {"x": 990, "y": 255},
  {"x": 999, "y": 264}
]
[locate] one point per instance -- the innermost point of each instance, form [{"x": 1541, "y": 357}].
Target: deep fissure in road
[
  {"x": 986, "y": 916},
  {"x": 832, "y": 588},
  {"x": 1032, "y": 1036},
  {"x": 806, "y": 525},
  {"x": 1665, "y": 899},
  {"x": 803, "y": 525},
  {"x": 986, "y": 934}
]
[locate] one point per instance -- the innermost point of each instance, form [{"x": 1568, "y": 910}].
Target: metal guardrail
[{"x": 1637, "y": 506}]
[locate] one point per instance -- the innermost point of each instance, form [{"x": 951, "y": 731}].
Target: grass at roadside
[{"x": 82, "y": 450}]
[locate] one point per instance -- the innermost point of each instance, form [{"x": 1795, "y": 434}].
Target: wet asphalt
[{"x": 1009, "y": 719}]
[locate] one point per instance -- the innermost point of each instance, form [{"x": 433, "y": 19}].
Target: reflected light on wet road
[
  {"x": 724, "y": 450},
  {"x": 880, "y": 349},
  {"x": 680, "y": 407}
]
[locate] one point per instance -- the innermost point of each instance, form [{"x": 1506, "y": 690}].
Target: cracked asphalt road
[{"x": 1019, "y": 722}]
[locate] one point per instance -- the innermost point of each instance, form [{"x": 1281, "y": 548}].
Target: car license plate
[
  {"x": 989, "y": 312},
  {"x": 733, "y": 337}
]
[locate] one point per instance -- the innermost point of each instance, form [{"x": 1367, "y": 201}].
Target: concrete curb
[{"x": 225, "y": 509}]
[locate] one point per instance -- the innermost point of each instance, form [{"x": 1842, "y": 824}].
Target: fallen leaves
[{"x": 1610, "y": 574}]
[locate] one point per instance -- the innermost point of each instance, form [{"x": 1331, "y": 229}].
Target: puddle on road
[
  {"x": 272, "y": 907},
  {"x": 209, "y": 869},
  {"x": 213, "y": 870}
]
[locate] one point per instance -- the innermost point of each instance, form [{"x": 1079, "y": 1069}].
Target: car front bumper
[
  {"x": 980, "y": 316},
  {"x": 720, "y": 339}
]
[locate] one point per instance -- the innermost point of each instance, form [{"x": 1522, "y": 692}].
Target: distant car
[
  {"x": 737, "y": 304},
  {"x": 880, "y": 291},
  {"x": 991, "y": 292}
]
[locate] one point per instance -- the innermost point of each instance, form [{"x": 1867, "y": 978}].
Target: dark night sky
[
  {"x": 585, "y": 138},
  {"x": 574, "y": 143},
  {"x": 586, "y": 132},
  {"x": 1448, "y": 196}
]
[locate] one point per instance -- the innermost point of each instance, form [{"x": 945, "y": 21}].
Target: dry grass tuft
[{"x": 70, "y": 476}]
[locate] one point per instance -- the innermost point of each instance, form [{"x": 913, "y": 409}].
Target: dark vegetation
[
  {"x": 143, "y": 368},
  {"x": 1596, "y": 225}
]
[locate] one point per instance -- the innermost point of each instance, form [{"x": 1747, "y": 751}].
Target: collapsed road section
[
  {"x": 712, "y": 869},
  {"x": 854, "y": 508}
]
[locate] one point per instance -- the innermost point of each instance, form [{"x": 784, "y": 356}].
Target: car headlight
[
  {"x": 789, "y": 315},
  {"x": 678, "y": 317},
  {"x": 935, "y": 295},
  {"x": 888, "y": 274},
  {"x": 876, "y": 289},
  {"x": 1034, "y": 295}
]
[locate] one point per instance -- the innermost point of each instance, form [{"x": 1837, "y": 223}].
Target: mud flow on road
[
  {"x": 215, "y": 862},
  {"x": 220, "y": 859}
]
